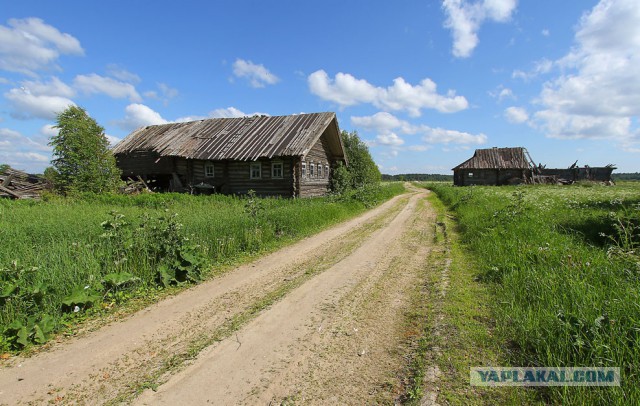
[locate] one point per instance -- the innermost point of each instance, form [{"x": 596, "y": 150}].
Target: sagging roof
[
  {"x": 497, "y": 158},
  {"x": 243, "y": 138}
]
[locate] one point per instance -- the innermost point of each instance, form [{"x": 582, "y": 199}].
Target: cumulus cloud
[
  {"x": 383, "y": 122},
  {"x": 386, "y": 124},
  {"x": 138, "y": 115},
  {"x": 36, "y": 99},
  {"x": 55, "y": 87},
  {"x": 389, "y": 139},
  {"x": 516, "y": 115},
  {"x": 48, "y": 130},
  {"x": 229, "y": 112},
  {"x": 25, "y": 105},
  {"x": 30, "y": 45},
  {"x": 112, "y": 140},
  {"x": 95, "y": 84},
  {"x": 501, "y": 93},
  {"x": 346, "y": 90},
  {"x": 258, "y": 75},
  {"x": 464, "y": 18},
  {"x": 23, "y": 152},
  {"x": 444, "y": 136},
  {"x": 598, "y": 95}
]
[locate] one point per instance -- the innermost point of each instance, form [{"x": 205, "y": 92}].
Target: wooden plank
[
  {"x": 10, "y": 192},
  {"x": 7, "y": 181}
]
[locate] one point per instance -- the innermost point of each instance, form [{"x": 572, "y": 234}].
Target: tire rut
[
  {"x": 114, "y": 363},
  {"x": 252, "y": 366}
]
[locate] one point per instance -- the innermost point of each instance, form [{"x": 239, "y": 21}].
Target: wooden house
[
  {"x": 290, "y": 156},
  {"x": 495, "y": 166}
]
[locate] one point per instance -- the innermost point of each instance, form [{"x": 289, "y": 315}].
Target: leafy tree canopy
[
  {"x": 361, "y": 169},
  {"x": 82, "y": 160}
]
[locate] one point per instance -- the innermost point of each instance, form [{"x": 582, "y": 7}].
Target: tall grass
[
  {"x": 60, "y": 256},
  {"x": 565, "y": 265}
]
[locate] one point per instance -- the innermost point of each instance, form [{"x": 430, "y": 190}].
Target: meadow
[
  {"x": 63, "y": 258},
  {"x": 564, "y": 264}
]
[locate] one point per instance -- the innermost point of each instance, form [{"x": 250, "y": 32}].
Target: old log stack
[{"x": 16, "y": 184}]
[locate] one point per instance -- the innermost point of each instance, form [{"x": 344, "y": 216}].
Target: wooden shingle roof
[
  {"x": 497, "y": 158},
  {"x": 243, "y": 138}
]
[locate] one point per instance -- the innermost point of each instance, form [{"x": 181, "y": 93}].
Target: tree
[
  {"x": 81, "y": 157},
  {"x": 361, "y": 167}
]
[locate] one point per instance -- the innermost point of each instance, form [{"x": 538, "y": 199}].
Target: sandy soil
[{"x": 335, "y": 336}]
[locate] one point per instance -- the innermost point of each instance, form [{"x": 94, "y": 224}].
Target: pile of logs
[{"x": 20, "y": 185}]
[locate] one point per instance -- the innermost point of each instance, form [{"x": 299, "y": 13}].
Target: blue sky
[{"x": 423, "y": 82}]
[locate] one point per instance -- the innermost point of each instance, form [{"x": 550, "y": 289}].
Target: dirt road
[{"x": 321, "y": 321}]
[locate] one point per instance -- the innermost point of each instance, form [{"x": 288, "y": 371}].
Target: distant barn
[
  {"x": 495, "y": 166},
  {"x": 290, "y": 156},
  {"x": 511, "y": 166}
]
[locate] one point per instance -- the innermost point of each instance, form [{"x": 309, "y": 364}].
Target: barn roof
[
  {"x": 242, "y": 138},
  {"x": 497, "y": 158}
]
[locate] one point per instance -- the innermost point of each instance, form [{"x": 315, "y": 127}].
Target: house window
[
  {"x": 471, "y": 174},
  {"x": 311, "y": 166},
  {"x": 304, "y": 170},
  {"x": 209, "y": 170},
  {"x": 276, "y": 170},
  {"x": 326, "y": 171},
  {"x": 255, "y": 170},
  {"x": 320, "y": 171}
]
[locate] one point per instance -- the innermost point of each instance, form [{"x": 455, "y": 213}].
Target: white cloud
[
  {"x": 23, "y": 152},
  {"x": 118, "y": 72},
  {"x": 30, "y": 45},
  {"x": 516, "y": 115},
  {"x": 93, "y": 83},
  {"x": 464, "y": 18},
  {"x": 164, "y": 93},
  {"x": 443, "y": 136},
  {"x": 385, "y": 124},
  {"x": 48, "y": 130},
  {"x": 229, "y": 112},
  {"x": 540, "y": 67},
  {"x": 25, "y": 105},
  {"x": 418, "y": 148},
  {"x": 53, "y": 88},
  {"x": 112, "y": 140},
  {"x": 258, "y": 75},
  {"x": 346, "y": 90},
  {"x": 389, "y": 139},
  {"x": 138, "y": 115},
  {"x": 598, "y": 95},
  {"x": 501, "y": 93},
  {"x": 545, "y": 32}
]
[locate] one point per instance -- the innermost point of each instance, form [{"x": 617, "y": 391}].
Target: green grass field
[
  {"x": 565, "y": 267},
  {"x": 61, "y": 259}
]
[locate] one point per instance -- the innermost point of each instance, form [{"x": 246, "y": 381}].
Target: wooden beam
[
  {"x": 10, "y": 192},
  {"x": 7, "y": 181}
]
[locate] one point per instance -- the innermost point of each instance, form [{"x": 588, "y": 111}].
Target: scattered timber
[{"x": 16, "y": 184}]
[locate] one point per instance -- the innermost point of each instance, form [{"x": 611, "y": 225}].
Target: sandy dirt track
[{"x": 335, "y": 335}]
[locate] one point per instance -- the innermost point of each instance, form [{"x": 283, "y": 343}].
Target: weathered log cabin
[
  {"x": 290, "y": 156},
  {"x": 495, "y": 166}
]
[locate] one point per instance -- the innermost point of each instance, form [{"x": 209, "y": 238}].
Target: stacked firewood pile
[{"x": 16, "y": 184}]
